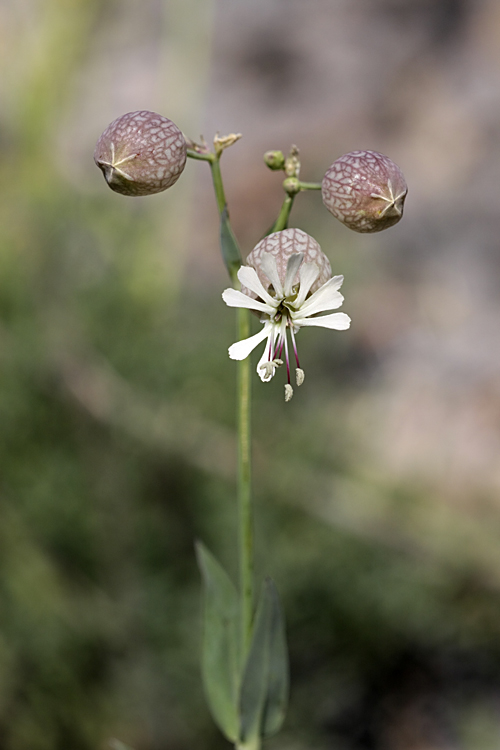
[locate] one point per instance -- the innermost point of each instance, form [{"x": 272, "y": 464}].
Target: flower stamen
[
  {"x": 294, "y": 346},
  {"x": 269, "y": 367},
  {"x": 286, "y": 358}
]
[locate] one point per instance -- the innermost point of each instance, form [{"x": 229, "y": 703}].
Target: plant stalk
[
  {"x": 244, "y": 499},
  {"x": 283, "y": 216},
  {"x": 245, "y": 519},
  {"x": 310, "y": 185},
  {"x": 192, "y": 154},
  {"x": 220, "y": 195},
  {"x": 253, "y": 744}
]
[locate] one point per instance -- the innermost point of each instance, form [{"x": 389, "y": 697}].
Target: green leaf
[
  {"x": 264, "y": 688},
  {"x": 221, "y": 660},
  {"x": 228, "y": 243}
]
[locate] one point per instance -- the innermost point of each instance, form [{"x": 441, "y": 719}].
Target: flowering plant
[{"x": 287, "y": 281}]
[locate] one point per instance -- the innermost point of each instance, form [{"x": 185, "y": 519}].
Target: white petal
[
  {"x": 308, "y": 275},
  {"x": 268, "y": 265},
  {"x": 325, "y": 298},
  {"x": 242, "y": 348},
  {"x": 337, "y": 321},
  {"x": 292, "y": 267},
  {"x": 262, "y": 373},
  {"x": 249, "y": 278},
  {"x": 234, "y": 298}
]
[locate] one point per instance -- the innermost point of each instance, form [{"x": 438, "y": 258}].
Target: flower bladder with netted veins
[
  {"x": 365, "y": 190},
  {"x": 288, "y": 280},
  {"x": 141, "y": 153}
]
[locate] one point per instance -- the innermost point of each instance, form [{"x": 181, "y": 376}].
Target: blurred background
[{"x": 377, "y": 488}]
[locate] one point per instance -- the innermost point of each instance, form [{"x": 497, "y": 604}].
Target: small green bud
[
  {"x": 274, "y": 159},
  {"x": 141, "y": 153},
  {"x": 292, "y": 163},
  {"x": 291, "y": 185},
  {"x": 365, "y": 190}
]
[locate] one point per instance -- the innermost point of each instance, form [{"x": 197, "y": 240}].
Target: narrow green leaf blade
[
  {"x": 221, "y": 661},
  {"x": 264, "y": 688},
  {"x": 228, "y": 244}
]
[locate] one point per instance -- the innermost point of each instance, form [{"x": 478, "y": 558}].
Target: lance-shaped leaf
[
  {"x": 221, "y": 661},
  {"x": 228, "y": 243},
  {"x": 264, "y": 688}
]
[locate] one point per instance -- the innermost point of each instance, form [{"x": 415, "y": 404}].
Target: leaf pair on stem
[{"x": 247, "y": 689}]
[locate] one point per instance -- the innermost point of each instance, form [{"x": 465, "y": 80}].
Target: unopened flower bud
[
  {"x": 291, "y": 185},
  {"x": 365, "y": 190},
  {"x": 141, "y": 153},
  {"x": 274, "y": 159},
  {"x": 292, "y": 163}
]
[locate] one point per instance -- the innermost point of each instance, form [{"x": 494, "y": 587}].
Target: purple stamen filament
[
  {"x": 275, "y": 351},
  {"x": 286, "y": 357},
  {"x": 279, "y": 348}
]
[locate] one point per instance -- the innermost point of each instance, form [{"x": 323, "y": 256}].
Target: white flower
[{"x": 285, "y": 306}]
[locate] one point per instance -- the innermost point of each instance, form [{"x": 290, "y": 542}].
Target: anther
[
  {"x": 288, "y": 392},
  {"x": 299, "y": 376},
  {"x": 268, "y": 367}
]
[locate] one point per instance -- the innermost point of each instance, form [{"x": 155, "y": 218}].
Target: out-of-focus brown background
[{"x": 376, "y": 488}]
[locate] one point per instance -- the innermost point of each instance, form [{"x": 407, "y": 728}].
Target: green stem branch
[
  {"x": 310, "y": 185},
  {"x": 220, "y": 195},
  {"x": 192, "y": 154},
  {"x": 283, "y": 216}
]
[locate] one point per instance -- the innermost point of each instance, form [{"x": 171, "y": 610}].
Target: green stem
[
  {"x": 310, "y": 185},
  {"x": 245, "y": 521},
  {"x": 232, "y": 259},
  {"x": 192, "y": 154},
  {"x": 220, "y": 195},
  {"x": 251, "y": 745},
  {"x": 283, "y": 216}
]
